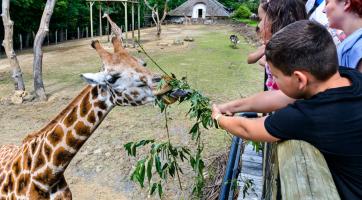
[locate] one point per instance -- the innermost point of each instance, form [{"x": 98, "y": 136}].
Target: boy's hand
[
  {"x": 215, "y": 111},
  {"x": 223, "y": 109}
]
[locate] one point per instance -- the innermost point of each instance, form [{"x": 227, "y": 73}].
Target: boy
[{"x": 303, "y": 60}]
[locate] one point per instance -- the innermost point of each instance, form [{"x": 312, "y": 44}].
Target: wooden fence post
[
  {"x": 78, "y": 32},
  {"x": 48, "y": 38},
  {"x": 21, "y": 42},
  {"x": 66, "y": 34},
  {"x": 86, "y": 31},
  {"x": 56, "y": 36}
]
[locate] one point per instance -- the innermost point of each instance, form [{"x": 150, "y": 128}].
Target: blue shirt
[{"x": 350, "y": 50}]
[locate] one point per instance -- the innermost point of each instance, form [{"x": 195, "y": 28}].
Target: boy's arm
[
  {"x": 263, "y": 102},
  {"x": 250, "y": 129},
  {"x": 255, "y": 56}
]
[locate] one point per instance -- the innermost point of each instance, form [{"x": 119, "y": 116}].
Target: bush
[
  {"x": 252, "y": 5},
  {"x": 242, "y": 12}
]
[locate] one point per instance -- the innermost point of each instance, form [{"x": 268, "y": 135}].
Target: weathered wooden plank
[{"x": 304, "y": 173}]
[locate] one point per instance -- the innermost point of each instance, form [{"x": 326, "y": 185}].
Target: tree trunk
[
  {"x": 155, "y": 16},
  {"x": 8, "y": 46},
  {"x": 158, "y": 26},
  {"x": 27, "y": 40},
  {"x": 38, "y": 53}
]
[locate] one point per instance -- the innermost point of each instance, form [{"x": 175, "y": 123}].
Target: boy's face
[{"x": 293, "y": 86}]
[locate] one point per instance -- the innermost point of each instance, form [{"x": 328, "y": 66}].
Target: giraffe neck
[{"x": 53, "y": 151}]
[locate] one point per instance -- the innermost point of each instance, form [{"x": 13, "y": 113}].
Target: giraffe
[
  {"x": 35, "y": 169},
  {"x": 117, "y": 32},
  {"x": 187, "y": 20},
  {"x": 115, "y": 29}
]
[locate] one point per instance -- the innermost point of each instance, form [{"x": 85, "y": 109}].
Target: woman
[{"x": 347, "y": 16}]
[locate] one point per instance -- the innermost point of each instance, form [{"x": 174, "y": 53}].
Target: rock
[
  {"x": 18, "y": 96},
  {"x": 29, "y": 97},
  {"x": 99, "y": 168},
  {"x": 108, "y": 154},
  {"x": 16, "y": 99},
  {"x": 178, "y": 42},
  {"x": 98, "y": 151},
  {"x": 163, "y": 44},
  {"x": 189, "y": 39}
]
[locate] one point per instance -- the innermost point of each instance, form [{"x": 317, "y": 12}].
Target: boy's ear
[{"x": 301, "y": 78}]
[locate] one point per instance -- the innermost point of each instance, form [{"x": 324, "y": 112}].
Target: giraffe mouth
[{"x": 168, "y": 94}]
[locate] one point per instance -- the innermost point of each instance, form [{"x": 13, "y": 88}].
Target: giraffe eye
[{"x": 112, "y": 79}]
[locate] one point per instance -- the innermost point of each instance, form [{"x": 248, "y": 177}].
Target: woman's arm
[{"x": 255, "y": 56}]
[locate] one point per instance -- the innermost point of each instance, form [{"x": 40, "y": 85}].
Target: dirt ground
[{"x": 101, "y": 169}]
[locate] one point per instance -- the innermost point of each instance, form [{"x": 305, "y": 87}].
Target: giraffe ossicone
[{"x": 34, "y": 170}]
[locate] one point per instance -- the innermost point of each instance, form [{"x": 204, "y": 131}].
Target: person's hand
[
  {"x": 224, "y": 109},
  {"x": 215, "y": 111}
]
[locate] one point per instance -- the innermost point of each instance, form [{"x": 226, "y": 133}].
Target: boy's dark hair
[
  {"x": 281, "y": 13},
  {"x": 303, "y": 45}
]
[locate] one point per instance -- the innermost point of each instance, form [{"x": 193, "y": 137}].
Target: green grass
[
  {"x": 210, "y": 64},
  {"x": 248, "y": 22}
]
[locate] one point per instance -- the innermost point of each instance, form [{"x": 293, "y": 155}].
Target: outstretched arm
[
  {"x": 263, "y": 102},
  {"x": 250, "y": 129},
  {"x": 255, "y": 56}
]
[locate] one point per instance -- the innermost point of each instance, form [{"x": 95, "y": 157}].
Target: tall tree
[
  {"x": 38, "y": 52},
  {"x": 8, "y": 46},
  {"x": 154, "y": 6}
]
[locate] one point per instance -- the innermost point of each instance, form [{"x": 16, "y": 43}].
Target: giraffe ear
[{"x": 95, "y": 78}]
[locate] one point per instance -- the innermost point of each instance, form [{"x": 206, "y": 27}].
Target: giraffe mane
[{"x": 59, "y": 117}]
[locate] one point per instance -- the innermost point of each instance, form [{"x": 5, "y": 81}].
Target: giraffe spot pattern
[
  {"x": 8, "y": 184},
  {"x": 82, "y": 129},
  {"x": 47, "y": 151},
  {"x": 2, "y": 178},
  {"x": 38, "y": 193},
  {"x": 72, "y": 141},
  {"x": 91, "y": 117},
  {"x": 39, "y": 162},
  {"x": 16, "y": 167},
  {"x": 61, "y": 156},
  {"x": 71, "y": 118},
  {"x": 100, "y": 104},
  {"x": 47, "y": 177},
  {"x": 129, "y": 98},
  {"x": 33, "y": 146},
  {"x": 26, "y": 159},
  {"x": 22, "y": 184},
  {"x": 56, "y": 136},
  {"x": 94, "y": 92},
  {"x": 85, "y": 106},
  {"x": 99, "y": 114}
]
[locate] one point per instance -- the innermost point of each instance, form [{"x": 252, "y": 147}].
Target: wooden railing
[{"x": 296, "y": 170}]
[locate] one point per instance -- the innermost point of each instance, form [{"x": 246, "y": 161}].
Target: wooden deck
[{"x": 252, "y": 169}]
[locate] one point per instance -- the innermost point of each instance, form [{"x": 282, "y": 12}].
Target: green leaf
[
  {"x": 153, "y": 188},
  {"x": 158, "y": 165},
  {"x": 142, "y": 174},
  {"x": 149, "y": 164},
  {"x": 133, "y": 149},
  {"x": 159, "y": 186},
  {"x": 171, "y": 169},
  {"x": 128, "y": 148}
]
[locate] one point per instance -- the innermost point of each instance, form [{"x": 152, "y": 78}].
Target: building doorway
[{"x": 199, "y": 13}]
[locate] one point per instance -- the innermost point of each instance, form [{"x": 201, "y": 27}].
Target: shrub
[
  {"x": 242, "y": 12},
  {"x": 252, "y": 5}
]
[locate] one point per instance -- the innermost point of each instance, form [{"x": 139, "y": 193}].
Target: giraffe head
[{"x": 122, "y": 77}]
